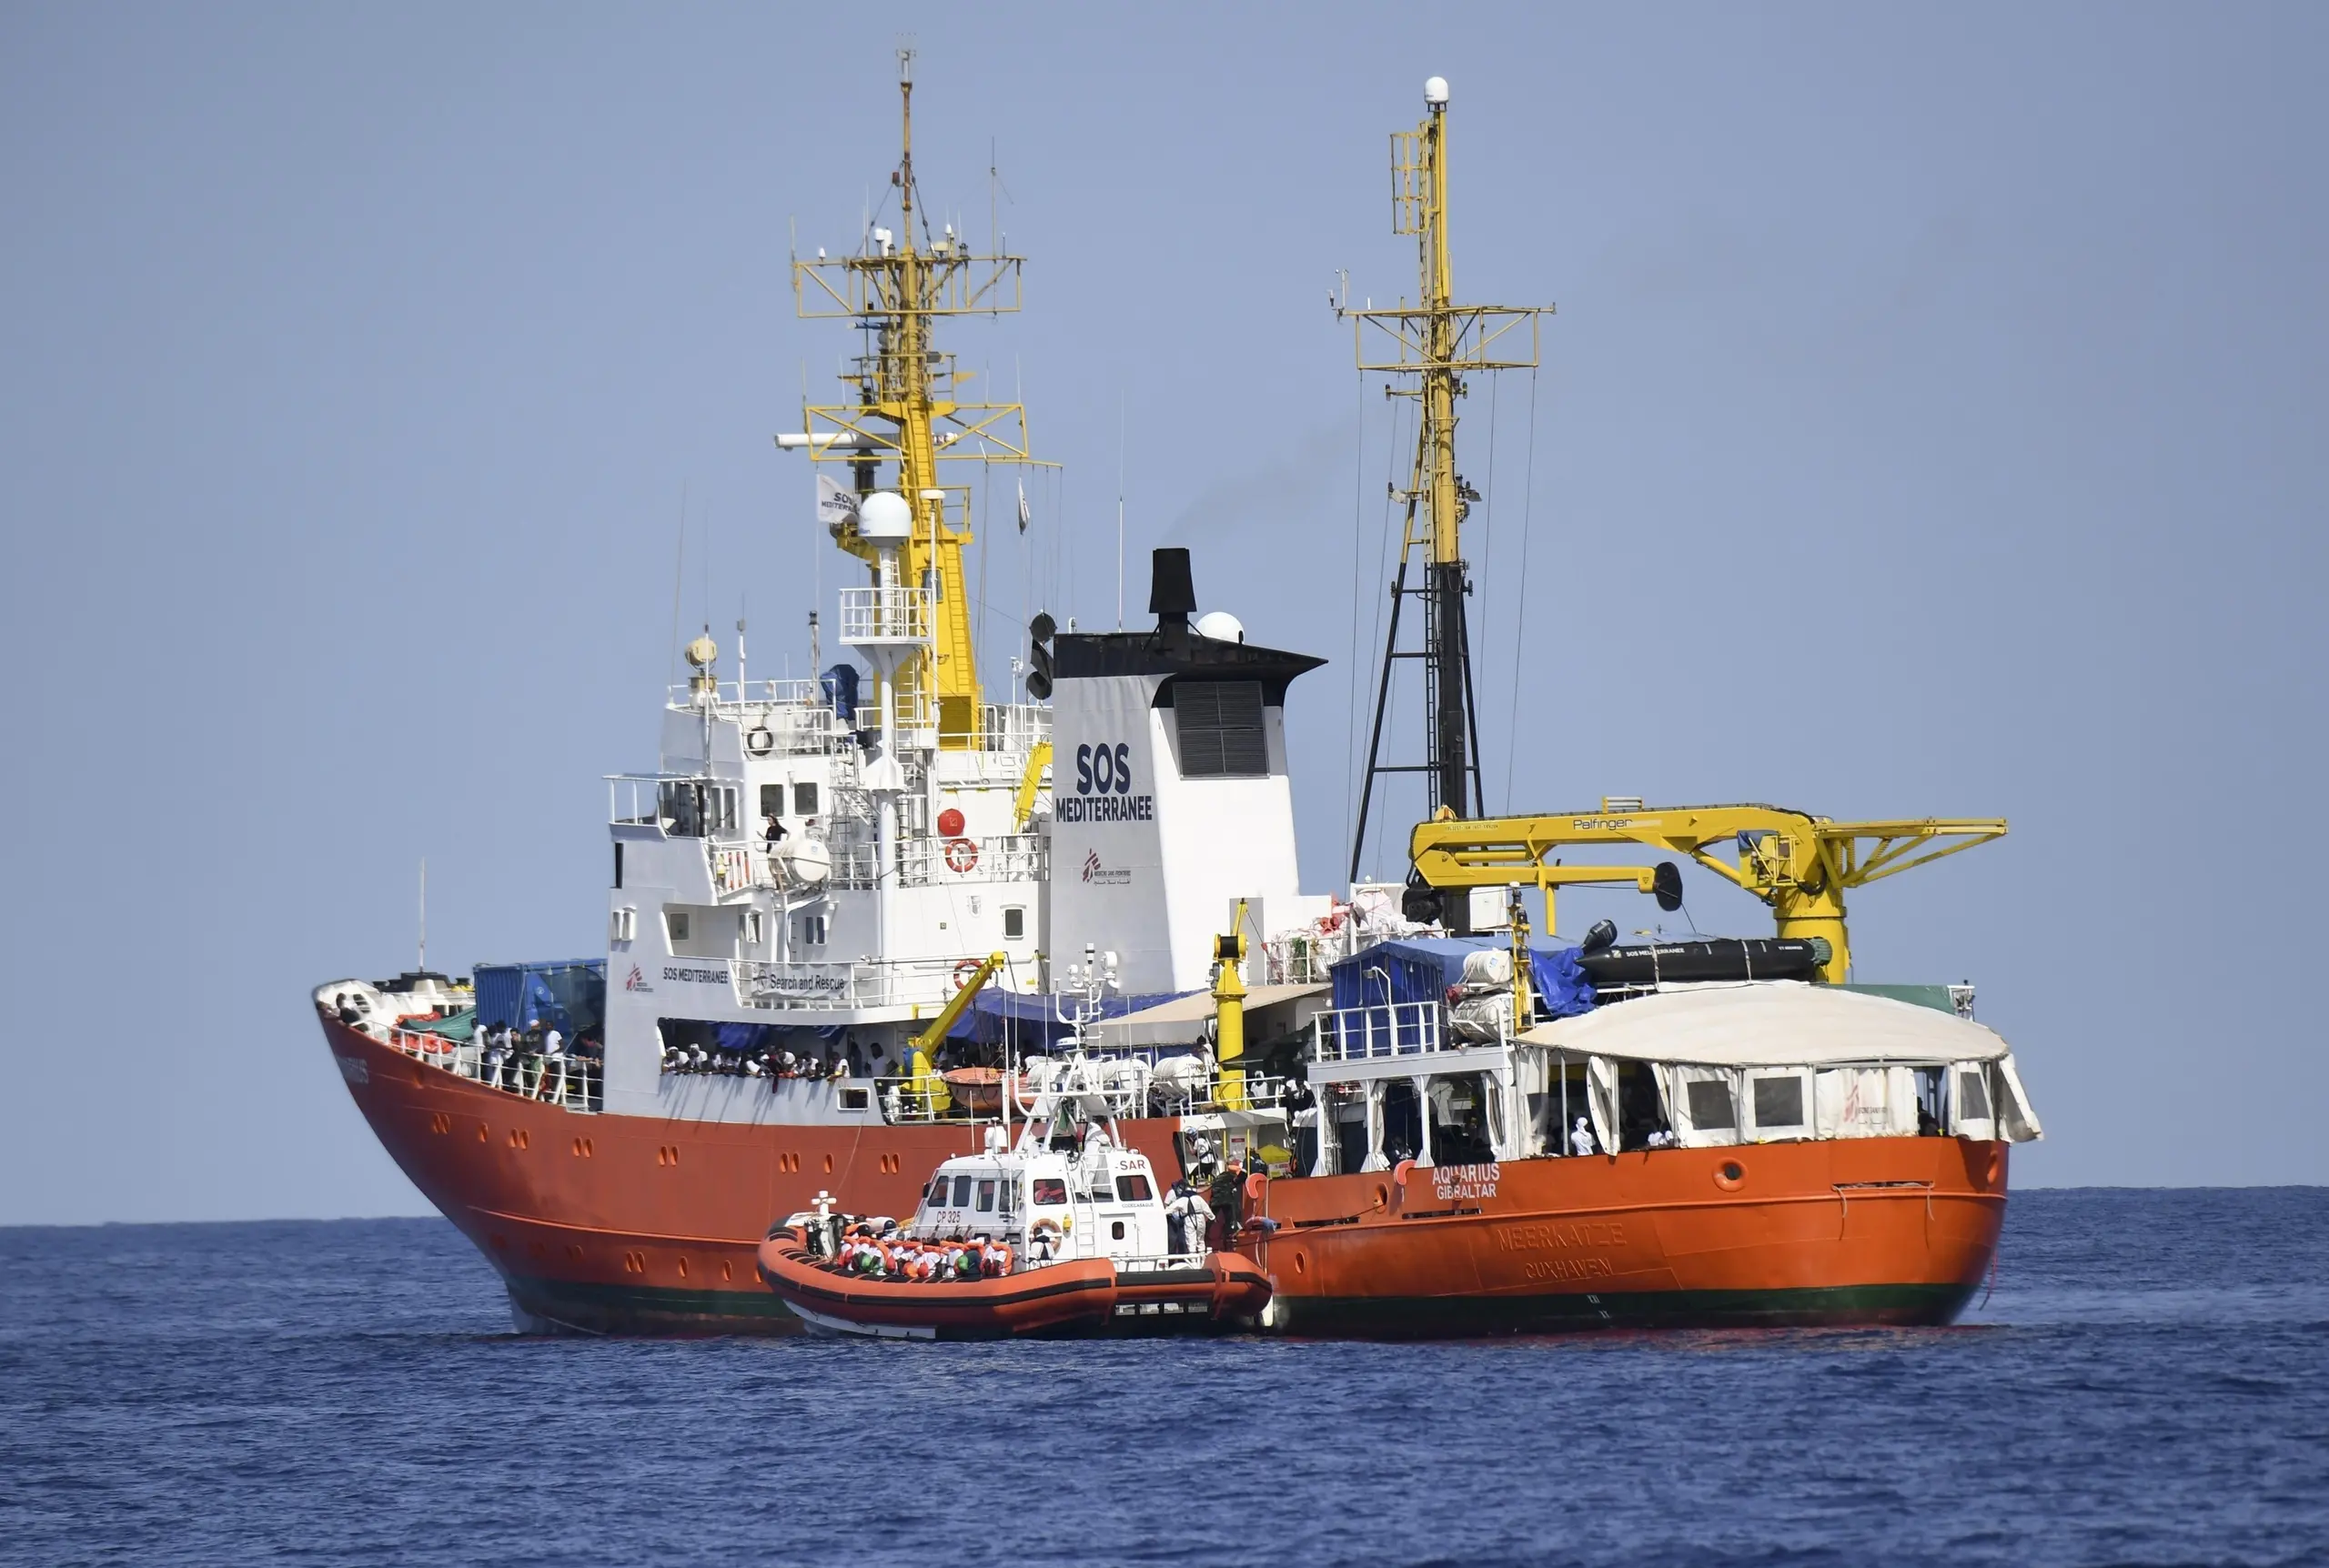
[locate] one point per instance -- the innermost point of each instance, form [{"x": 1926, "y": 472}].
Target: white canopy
[
  {"x": 1183, "y": 1020},
  {"x": 1775, "y": 1024}
]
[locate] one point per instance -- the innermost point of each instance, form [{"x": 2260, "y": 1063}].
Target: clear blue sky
[{"x": 1933, "y": 424}]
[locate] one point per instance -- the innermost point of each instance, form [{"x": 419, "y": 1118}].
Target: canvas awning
[
  {"x": 1270, "y": 1009},
  {"x": 1769, "y": 1024}
]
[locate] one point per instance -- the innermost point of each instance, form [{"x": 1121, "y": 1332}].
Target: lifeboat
[{"x": 1064, "y": 1236}]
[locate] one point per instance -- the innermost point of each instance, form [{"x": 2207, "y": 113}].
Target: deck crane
[{"x": 1799, "y": 864}]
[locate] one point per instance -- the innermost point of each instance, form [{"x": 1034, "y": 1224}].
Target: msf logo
[
  {"x": 636, "y": 980},
  {"x": 1105, "y": 876}
]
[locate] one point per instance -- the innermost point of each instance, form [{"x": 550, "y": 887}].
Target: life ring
[
  {"x": 964, "y": 971},
  {"x": 962, "y": 855},
  {"x": 760, "y": 740}
]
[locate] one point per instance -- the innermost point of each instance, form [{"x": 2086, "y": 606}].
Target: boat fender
[
  {"x": 761, "y": 741},
  {"x": 962, "y": 855}
]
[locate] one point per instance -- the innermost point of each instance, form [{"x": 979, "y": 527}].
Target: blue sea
[{"x": 2148, "y": 1383}]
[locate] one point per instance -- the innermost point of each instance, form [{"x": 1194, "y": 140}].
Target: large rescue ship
[{"x": 843, "y": 912}]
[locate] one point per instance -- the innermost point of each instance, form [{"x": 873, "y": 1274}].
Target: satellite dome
[
  {"x": 1435, "y": 90},
  {"x": 1221, "y": 626},
  {"x": 883, "y": 518}
]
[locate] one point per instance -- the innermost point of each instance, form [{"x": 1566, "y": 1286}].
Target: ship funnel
[{"x": 1171, "y": 593}]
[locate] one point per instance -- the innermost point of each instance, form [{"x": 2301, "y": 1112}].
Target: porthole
[{"x": 1731, "y": 1175}]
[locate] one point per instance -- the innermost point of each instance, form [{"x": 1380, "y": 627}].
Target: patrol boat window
[
  {"x": 938, "y": 1186},
  {"x": 1050, "y": 1189},
  {"x": 1133, "y": 1189},
  {"x": 986, "y": 1197},
  {"x": 962, "y": 1192}
]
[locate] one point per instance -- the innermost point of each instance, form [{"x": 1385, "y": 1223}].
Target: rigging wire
[
  {"x": 1519, "y": 622},
  {"x": 1383, "y": 570},
  {"x": 1487, "y": 557},
  {"x": 1358, "y": 532}
]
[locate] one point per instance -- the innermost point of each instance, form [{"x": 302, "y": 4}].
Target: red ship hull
[
  {"x": 627, "y": 1224},
  {"x": 1843, "y": 1232}
]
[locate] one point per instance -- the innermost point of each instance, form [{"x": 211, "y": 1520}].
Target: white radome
[
  {"x": 884, "y": 517},
  {"x": 1221, "y": 626},
  {"x": 1435, "y": 90}
]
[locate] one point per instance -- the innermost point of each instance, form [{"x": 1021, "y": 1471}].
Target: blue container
[{"x": 572, "y": 995}]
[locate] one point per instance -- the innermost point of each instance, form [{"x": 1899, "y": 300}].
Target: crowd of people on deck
[
  {"x": 537, "y": 1061},
  {"x": 878, "y": 1249},
  {"x": 767, "y": 1062}
]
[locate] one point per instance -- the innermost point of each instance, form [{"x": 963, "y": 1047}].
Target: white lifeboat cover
[{"x": 1769, "y": 1024}]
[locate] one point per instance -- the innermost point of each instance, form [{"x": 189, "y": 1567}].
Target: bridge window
[
  {"x": 1050, "y": 1191},
  {"x": 1220, "y": 725},
  {"x": 962, "y": 1192},
  {"x": 986, "y": 1197},
  {"x": 1133, "y": 1189}
]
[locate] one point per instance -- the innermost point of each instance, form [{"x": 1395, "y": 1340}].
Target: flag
[
  {"x": 1024, "y": 519},
  {"x": 835, "y": 505}
]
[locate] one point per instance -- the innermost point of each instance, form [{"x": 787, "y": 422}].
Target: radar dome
[
  {"x": 1221, "y": 626},
  {"x": 1435, "y": 90},
  {"x": 883, "y": 518},
  {"x": 702, "y": 651}
]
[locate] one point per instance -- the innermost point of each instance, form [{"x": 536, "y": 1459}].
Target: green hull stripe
[
  {"x": 1426, "y": 1316},
  {"x": 650, "y": 1308}
]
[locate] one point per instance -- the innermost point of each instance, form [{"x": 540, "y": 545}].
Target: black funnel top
[{"x": 1172, "y": 592}]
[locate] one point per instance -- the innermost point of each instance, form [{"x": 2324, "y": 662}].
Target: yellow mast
[
  {"x": 1437, "y": 342},
  {"x": 904, "y": 411}
]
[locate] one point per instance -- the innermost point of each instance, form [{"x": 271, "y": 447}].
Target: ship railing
[
  {"x": 679, "y": 805},
  {"x": 784, "y": 984},
  {"x": 924, "y": 862},
  {"x": 571, "y": 1081},
  {"x": 1387, "y": 1028},
  {"x": 779, "y": 718},
  {"x": 884, "y": 615}
]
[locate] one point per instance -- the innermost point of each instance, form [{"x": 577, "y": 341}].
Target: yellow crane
[
  {"x": 925, "y": 1080},
  {"x": 1799, "y": 864}
]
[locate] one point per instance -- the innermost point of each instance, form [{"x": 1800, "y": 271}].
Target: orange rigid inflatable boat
[
  {"x": 1064, "y": 1234},
  {"x": 1080, "y": 1297}
]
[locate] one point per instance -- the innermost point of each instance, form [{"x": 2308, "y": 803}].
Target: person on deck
[
  {"x": 1185, "y": 1219},
  {"x": 1580, "y": 1138},
  {"x": 553, "y": 1058},
  {"x": 1227, "y": 1200}
]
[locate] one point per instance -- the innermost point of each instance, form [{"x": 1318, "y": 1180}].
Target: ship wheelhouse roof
[{"x": 1769, "y": 1024}]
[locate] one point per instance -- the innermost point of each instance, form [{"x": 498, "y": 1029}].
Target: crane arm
[
  {"x": 1797, "y": 863},
  {"x": 926, "y": 1078}
]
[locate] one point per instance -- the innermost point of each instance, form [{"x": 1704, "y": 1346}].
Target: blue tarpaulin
[
  {"x": 1031, "y": 1023},
  {"x": 839, "y": 685},
  {"x": 1421, "y": 969}
]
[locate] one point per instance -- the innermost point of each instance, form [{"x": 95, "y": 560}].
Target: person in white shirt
[
  {"x": 553, "y": 1055},
  {"x": 1580, "y": 1138}
]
